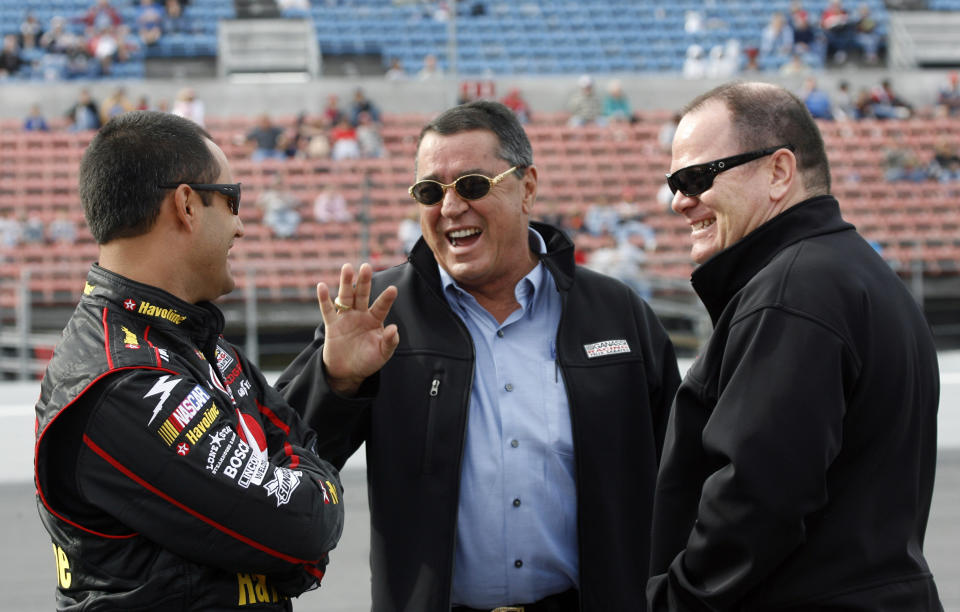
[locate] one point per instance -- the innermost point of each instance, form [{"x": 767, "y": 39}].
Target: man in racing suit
[{"x": 169, "y": 475}]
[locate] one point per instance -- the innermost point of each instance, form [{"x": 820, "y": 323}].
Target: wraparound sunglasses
[
  {"x": 230, "y": 190},
  {"x": 694, "y": 180}
]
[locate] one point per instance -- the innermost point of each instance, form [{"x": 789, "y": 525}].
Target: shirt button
[
  {"x": 500, "y": 333},
  {"x": 514, "y": 443},
  {"x": 508, "y": 387},
  {"x": 518, "y": 563},
  {"x": 516, "y": 503}
]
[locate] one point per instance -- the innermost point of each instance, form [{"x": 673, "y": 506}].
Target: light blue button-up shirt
[{"x": 517, "y": 522}]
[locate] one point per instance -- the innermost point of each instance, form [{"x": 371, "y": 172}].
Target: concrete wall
[{"x": 646, "y": 92}]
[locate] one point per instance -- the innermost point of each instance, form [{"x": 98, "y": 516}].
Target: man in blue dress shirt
[{"x": 513, "y": 438}]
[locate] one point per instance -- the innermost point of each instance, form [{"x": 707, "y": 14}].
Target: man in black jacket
[
  {"x": 169, "y": 475},
  {"x": 799, "y": 459},
  {"x": 513, "y": 438}
]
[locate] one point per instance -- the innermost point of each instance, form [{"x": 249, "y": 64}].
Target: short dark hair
[
  {"x": 766, "y": 116},
  {"x": 515, "y": 147},
  {"x": 132, "y": 154}
]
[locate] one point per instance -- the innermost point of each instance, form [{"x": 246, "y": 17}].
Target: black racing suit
[{"x": 169, "y": 474}]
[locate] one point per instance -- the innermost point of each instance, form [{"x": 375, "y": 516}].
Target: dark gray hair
[{"x": 515, "y": 147}]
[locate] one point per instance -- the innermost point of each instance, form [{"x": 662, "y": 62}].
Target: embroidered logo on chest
[{"x": 606, "y": 347}]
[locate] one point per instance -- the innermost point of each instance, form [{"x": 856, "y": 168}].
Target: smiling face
[
  {"x": 481, "y": 243},
  {"x": 739, "y": 200}
]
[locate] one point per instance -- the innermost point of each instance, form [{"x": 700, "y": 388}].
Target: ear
[
  {"x": 783, "y": 174},
  {"x": 530, "y": 177},
  {"x": 184, "y": 208}
]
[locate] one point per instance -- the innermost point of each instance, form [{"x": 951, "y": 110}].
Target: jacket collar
[
  {"x": 202, "y": 322},
  {"x": 719, "y": 278},
  {"x": 558, "y": 258}
]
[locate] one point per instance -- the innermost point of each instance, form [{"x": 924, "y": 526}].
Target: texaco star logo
[
  {"x": 130, "y": 305},
  {"x": 182, "y": 449}
]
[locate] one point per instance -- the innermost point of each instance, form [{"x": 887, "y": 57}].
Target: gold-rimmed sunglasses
[{"x": 469, "y": 187}]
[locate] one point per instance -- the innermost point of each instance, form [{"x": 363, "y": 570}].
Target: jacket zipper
[{"x": 432, "y": 407}]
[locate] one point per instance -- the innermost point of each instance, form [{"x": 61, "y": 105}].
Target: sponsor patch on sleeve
[{"x": 606, "y": 347}]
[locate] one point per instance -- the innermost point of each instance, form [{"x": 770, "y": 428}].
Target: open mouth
[
  {"x": 701, "y": 225},
  {"x": 464, "y": 237}
]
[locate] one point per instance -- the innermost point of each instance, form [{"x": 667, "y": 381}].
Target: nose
[
  {"x": 681, "y": 203},
  {"x": 239, "y": 232},
  {"x": 452, "y": 205}
]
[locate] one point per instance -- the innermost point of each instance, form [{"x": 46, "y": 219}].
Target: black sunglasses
[
  {"x": 468, "y": 187},
  {"x": 694, "y": 180},
  {"x": 230, "y": 190}
]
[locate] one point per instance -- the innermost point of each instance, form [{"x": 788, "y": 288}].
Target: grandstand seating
[
  {"x": 509, "y": 38},
  {"x": 579, "y": 167}
]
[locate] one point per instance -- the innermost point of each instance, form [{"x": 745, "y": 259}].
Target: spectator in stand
[
  {"x": 175, "y": 21},
  {"x": 797, "y": 66},
  {"x": 62, "y": 230},
  {"x": 343, "y": 141},
  {"x": 33, "y": 230},
  {"x": 408, "y": 232},
  {"x": 616, "y": 106},
  {"x": 807, "y": 42},
  {"x": 35, "y": 122},
  {"x": 115, "y": 104},
  {"x": 887, "y": 104},
  {"x": 776, "y": 40},
  {"x": 666, "y": 132},
  {"x": 30, "y": 32},
  {"x": 330, "y": 206},
  {"x": 10, "y": 231},
  {"x": 515, "y": 102},
  {"x": 279, "y": 208},
  {"x": 318, "y": 143},
  {"x": 585, "y": 107},
  {"x": 362, "y": 104},
  {"x": 395, "y": 72},
  {"x": 109, "y": 45},
  {"x": 10, "y": 61},
  {"x": 189, "y": 106},
  {"x": 751, "y": 53},
  {"x": 867, "y": 35},
  {"x": 816, "y": 100},
  {"x": 945, "y": 164},
  {"x": 839, "y": 30},
  {"x": 102, "y": 16},
  {"x": 332, "y": 114},
  {"x": 602, "y": 219},
  {"x": 84, "y": 114},
  {"x": 150, "y": 19},
  {"x": 695, "y": 64},
  {"x": 265, "y": 137},
  {"x": 903, "y": 164},
  {"x": 431, "y": 69},
  {"x": 844, "y": 106},
  {"x": 369, "y": 138},
  {"x": 948, "y": 97}
]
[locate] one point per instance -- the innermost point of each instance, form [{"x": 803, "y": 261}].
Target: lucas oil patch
[{"x": 605, "y": 348}]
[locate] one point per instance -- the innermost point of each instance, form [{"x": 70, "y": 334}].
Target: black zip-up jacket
[
  {"x": 169, "y": 475},
  {"x": 799, "y": 460},
  {"x": 414, "y": 428}
]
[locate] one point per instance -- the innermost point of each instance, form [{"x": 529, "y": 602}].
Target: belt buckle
[{"x": 508, "y": 609}]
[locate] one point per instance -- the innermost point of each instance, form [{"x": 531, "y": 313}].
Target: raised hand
[{"x": 356, "y": 343}]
